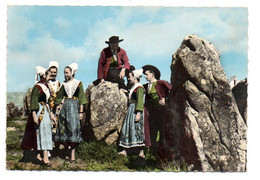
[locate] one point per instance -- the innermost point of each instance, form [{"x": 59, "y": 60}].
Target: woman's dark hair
[
  {"x": 54, "y": 68},
  {"x": 47, "y": 72},
  {"x": 68, "y": 67}
]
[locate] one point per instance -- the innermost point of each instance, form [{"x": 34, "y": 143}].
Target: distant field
[{"x": 16, "y": 97}]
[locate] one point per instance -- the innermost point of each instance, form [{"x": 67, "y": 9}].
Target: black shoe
[
  {"x": 140, "y": 161},
  {"x": 47, "y": 164},
  {"x": 38, "y": 162}
]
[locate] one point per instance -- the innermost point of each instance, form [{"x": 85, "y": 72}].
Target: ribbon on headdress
[
  {"x": 138, "y": 73},
  {"x": 39, "y": 71}
]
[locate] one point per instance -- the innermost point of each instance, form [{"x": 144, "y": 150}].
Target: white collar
[
  {"x": 150, "y": 85},
  {"x": 133, "y": 88},
  {"x": 153, "y": 82},
  {"x": 45, "y": 89},
  {"x": 71, "y": 86}
]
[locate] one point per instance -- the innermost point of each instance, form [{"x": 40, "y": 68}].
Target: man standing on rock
[
  {"x": 156, "y": 93},
  {"x": 113, "y": 63}
]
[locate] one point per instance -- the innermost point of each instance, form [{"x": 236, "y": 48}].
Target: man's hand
[
  {"x": 80, "y": 116},
  {"x": 122, "y": 73},
  {"x": 53, "y": 118},
  {"x": 162, "y": 102}
]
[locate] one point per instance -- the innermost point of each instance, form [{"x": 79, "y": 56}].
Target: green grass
[
  {"x": 99, "y": 156},
  {"x": 102, "y": 157},
  {"x": 91, "y": 156},
  {"x": 13, "y": 140}
]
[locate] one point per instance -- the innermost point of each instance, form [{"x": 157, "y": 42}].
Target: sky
[{"x": 67, "y": 34}]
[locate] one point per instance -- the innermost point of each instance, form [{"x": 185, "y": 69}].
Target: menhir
[
  {"x": 204, "y": 129},
  {"x": 105, "y": 112}
]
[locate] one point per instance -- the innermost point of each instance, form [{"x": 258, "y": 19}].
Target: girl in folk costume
[
  {"x": 38, "y": 132},
  {"x": 132, "y": 133},
  {"x": 70, "y": 99}
]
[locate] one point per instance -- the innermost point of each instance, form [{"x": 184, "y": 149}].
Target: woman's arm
[{"x": 139, "y": 107}]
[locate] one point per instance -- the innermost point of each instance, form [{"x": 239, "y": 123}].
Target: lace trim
[
  {"x": 70, "y": 87},
  {"x": 45, "y": 90}
]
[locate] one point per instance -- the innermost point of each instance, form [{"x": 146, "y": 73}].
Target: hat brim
[
  {"x": 157, "y": 73},
  {"x": 109, "y": 42}
]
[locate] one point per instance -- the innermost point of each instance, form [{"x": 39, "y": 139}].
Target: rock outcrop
[
  {"x": 27, "y": 101},
  {"x": 204, "y": 129},
  {"x": 105, "y": 112},
  {"x": 13, "y": 111},
  {"x": 240, "y": 93}
]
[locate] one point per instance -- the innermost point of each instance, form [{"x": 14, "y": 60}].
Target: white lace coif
[
  {"x": 138, "y": 73},
  {"x": 74, "y": 67},
  {"x": 54, "y": 63}
]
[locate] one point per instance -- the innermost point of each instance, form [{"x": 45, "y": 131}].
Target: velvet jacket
[
  {"x": 105, "y": 60},
  {"x": 162, "y": 87}
]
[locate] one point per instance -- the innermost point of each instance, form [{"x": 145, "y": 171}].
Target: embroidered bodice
[{"x": 54, "y": 86}]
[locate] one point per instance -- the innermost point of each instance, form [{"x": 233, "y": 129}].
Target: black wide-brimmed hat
[
  {"x": 114, "y": 39},
  {"x": 157, "y": 73}
]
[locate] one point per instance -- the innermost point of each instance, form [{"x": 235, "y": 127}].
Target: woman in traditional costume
[
  {"x": 69, "y": 111},
  {"x": 132, "y": 133},
  {"x": 38, "y": 132}
]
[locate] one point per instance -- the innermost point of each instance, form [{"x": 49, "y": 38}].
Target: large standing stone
[
  {"x": 204, "y": 128},
  {"x": 240, "y": 94},
  {"x": 106, "y": 111}
]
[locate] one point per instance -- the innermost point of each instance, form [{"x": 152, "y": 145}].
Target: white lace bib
[{"x": 70, "y": 87}]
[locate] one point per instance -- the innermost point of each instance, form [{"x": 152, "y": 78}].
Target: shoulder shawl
[
  {"x": 70, "y": 87},
  {"x": 45, "y": 89}
]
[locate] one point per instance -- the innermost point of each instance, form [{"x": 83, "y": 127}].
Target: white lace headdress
[{"x": 74, "y": 67}]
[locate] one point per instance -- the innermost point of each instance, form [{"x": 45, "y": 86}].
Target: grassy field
[{"x": 91, "y": 156}]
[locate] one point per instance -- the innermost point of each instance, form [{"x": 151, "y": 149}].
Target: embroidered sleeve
[
  {"x": 139, "y": 99},
  {"x": 35, "y": 98},
  {"x": 82, "y": 97}
]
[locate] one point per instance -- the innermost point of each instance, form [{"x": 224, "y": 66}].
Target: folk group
[{"x": 57, "y": 108}]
